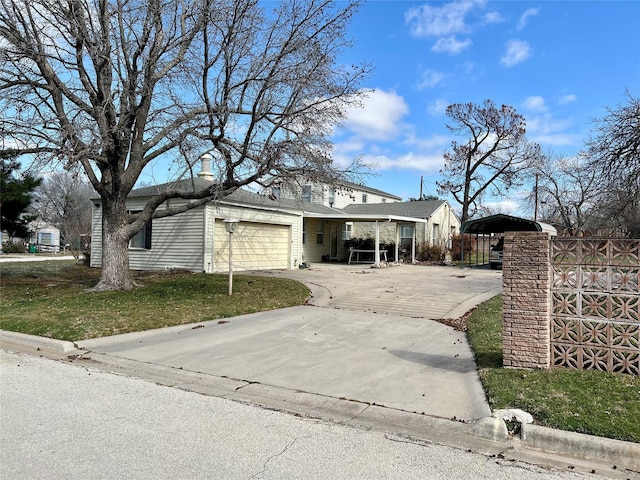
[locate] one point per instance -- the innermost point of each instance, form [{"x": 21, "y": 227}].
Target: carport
[{"x": 501, "y": 223}]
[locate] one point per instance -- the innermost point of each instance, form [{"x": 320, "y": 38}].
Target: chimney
[{"x": 205, "y": 170}]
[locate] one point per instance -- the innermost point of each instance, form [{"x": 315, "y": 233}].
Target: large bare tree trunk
[{"x": 115, "y": 250}]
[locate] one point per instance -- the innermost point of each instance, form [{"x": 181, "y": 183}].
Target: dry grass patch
[{"x": 50, "y": 299}]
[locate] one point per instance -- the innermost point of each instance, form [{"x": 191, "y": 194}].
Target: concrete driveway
[{"x": 365, "y": 339}]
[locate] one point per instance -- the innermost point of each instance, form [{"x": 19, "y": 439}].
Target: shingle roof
[
  {"x": 420, "y": 209},
  {"x": 239, "y": 196},
  {"x": 364, "y": 188},
  {"x": 187, "y": 185}
]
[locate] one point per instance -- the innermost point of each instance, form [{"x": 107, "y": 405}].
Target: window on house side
[
  {"x": 306, "y": 193},
  {"x": 332, "y": 196},
  {"x": 320, "y": 233},
  {"x": 364, "y": 198},
  {"x": 346, "y": 231},
  {"x": 142, "y": 239}
]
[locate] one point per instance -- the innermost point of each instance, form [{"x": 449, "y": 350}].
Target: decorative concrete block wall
[{"x": 526, "y": 274}]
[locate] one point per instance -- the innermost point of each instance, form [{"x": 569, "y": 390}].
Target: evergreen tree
[{"x": 16, "y": 192}]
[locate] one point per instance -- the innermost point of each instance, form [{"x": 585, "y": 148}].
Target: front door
[{"x": 333, "y": 252}]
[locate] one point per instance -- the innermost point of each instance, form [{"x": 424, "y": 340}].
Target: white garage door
[{"x": 256, "y": 246}]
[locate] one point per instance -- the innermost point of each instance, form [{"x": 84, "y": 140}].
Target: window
[
  {"x": 306, "y": 193},
  {"x": 364, "y": 198},
  {"x": 304, "y": 231},
  {"x": 406, "y": 236},
  {"x": 276, "y": 192},
  {"x": 142, "y": 239},
  {"x": 320, "y": 233},
  {"x": 346, "y": 230},
  {"x": 45, "y": 238},
  {"x": 384, "y": 200},
  {"x": 332, "y": 196},
  {"x": 436, "y": 233}
]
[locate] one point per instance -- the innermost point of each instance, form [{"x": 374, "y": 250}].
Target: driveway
[
  {"x": 415, "y": 291},
  {"x": 365, "y": 338}
]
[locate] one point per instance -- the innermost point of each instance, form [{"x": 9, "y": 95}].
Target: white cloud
[
  {"x": 493, "y": 17},
  {"x": 430, "y": 78},
  {"x": 438, "y": 106},
  {"x": 451, "y": 45},
  {"x": 407, "y": 161},
  {"x": 535, "y": 104},
  {"x": 380, "y": 116},
  {"x": 437, "y": 21},
  {"x": 569, "y": 98},
  {"x": 524, "y": 18},
  {"x": 507, "y": 206},
  {"x": 517, "y": 51},
  {"x": 548, "y": 131}
]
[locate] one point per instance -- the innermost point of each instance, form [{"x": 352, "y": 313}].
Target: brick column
[{"x": 526, "y": 277}]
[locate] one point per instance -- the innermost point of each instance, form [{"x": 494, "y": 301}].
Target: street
[{"x": 62, "y": 420}]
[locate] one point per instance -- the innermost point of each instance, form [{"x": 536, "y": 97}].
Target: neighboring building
[
  {"x": 46, "y": 238},
  {"x": 278, "y": 230}
]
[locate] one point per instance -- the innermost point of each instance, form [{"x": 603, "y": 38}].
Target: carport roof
[{"x": 505, "y": 223}]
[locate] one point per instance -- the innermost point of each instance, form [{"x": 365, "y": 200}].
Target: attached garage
[{"x": 256, "y": 246}]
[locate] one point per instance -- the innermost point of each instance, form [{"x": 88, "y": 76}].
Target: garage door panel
[{"x": 256, "y": 246}]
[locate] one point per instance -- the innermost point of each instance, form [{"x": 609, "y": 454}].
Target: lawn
[
  {"x": 50, "y": 299},
  {"x": 592, "y": 402}
]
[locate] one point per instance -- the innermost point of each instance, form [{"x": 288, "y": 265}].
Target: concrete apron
[{"x": 359, "y": 354}]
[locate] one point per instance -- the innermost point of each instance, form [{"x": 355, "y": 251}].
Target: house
[{"x": 281, "y": 230}]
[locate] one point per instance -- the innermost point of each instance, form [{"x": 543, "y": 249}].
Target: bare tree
[
  {"x": 493, "y": 154},
  {"x": 565, "y": 192},
  {"x": 116, "y": 85},
  {"x": 614, "y": 154},
  {"x": 63, "y": 200}
]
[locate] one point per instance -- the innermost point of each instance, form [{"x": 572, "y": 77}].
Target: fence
[{"x": 571, "y": 302}]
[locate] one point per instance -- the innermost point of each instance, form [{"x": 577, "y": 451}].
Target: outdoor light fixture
[{"x": 231, "y": 225}]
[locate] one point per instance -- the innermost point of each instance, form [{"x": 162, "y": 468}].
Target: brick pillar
[{"x": 526, "y": 311}]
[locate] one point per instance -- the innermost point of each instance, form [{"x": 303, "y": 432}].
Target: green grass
[
  {"x": 592, "y": 402},
  {"x": 50, "y": 299}
]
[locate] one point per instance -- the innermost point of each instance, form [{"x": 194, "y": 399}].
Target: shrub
[
  {"x": 14, "y": 247},
  {"x": 456, "y": 246},
  {"x": 429, "y": 253}
]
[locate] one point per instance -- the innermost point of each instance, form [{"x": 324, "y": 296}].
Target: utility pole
[{"x": 421, "y": 179}]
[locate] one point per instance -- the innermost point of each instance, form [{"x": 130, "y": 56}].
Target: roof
[
  {"x": 239, "y": 196},
  {"x": 505, "y": 223},
  {"x": 187, "y": 185},
  {"x": 419, "y": 209},
  {"x": 364, "y": 188}
]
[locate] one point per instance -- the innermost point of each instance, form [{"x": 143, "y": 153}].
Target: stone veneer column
[{"x": 526, "y": 277}]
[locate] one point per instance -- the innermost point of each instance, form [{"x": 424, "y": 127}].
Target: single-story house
[{"x": 275, "y": 231}]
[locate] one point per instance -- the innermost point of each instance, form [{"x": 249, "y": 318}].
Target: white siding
[{"x": 193, "y": 240}]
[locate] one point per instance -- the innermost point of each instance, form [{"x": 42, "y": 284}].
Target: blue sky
[{"x": 559, "y": 63}]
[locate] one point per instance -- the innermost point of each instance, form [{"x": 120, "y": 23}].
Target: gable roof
[
  {"x": 356, "y": 186},
  {"x": 419, "y": 209},
  {"x": 240, "y": 196}
]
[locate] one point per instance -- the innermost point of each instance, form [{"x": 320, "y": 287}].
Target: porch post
[
  {"x": 377, "y": 248},
  {"x": 397, "y": 242},
  {"x": 413, "y": 243}
]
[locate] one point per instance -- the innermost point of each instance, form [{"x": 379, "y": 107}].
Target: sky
[{"x": 560, "y": 64}]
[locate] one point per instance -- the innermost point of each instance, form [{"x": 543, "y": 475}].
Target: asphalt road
[{"x": 61, "y": 421}]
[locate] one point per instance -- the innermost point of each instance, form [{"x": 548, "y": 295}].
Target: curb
[
  {"x": 618, "y": 455},
  {"x": 35, "y": 343},
  {"x": 582, "y": 446}
]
